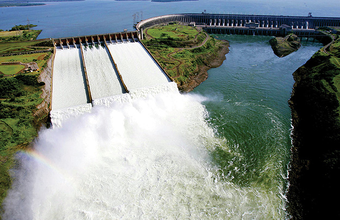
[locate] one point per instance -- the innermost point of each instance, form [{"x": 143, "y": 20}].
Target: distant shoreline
[
  {"x": 34, "y": 3},
  {"x": 7, "y": 5},
  {"x": 156, "y": 0}
]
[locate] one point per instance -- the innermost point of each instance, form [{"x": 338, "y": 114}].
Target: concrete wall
[{"x": 246, "y": 24}]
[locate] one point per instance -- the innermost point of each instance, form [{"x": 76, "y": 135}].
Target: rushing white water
[
  {"x": 58, "y": 117},
  {"x": 137, "y": 67},
  {"x": 69, "y": 87},
  {"x": 148, "y": 158},
  {"x": 103, "y": 79},
  {"x": 69, "y": 97}
]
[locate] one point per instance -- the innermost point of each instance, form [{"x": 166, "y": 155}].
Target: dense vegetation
[
  {"x": 22, "y": 27},
  {"x": 19, "y": 98},
  {"x": 19, "y": 35},
  {"x": 315, "y": 167},
  {"x": 182, "y": 50}
]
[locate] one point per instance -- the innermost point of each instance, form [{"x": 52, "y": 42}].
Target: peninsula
[{"x": 186, "y": 53}]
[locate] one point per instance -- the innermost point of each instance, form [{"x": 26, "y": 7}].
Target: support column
[
  {"x": 114, "y": 63},
  {"x": 85, "y": 73},
  {"x": 61, "y": 44},
  {"x": 74, "y": 43}
]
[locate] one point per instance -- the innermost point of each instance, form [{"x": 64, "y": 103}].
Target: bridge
[{"x": 271, "y": 25}]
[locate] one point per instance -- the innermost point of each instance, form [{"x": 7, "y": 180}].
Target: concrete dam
[
  {"x": 99, "y": 70},
  {"x": 246, "y": 24}
]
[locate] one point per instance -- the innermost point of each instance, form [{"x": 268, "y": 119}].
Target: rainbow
[{"x": 39, "y": 158}]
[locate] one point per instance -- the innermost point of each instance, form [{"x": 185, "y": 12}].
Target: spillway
[
  {"x": 69, "y": 86},
  {"x": 103, "y": 78},
  {"x": 137, "y": 67},
  {"x": 85, "y": 76}
]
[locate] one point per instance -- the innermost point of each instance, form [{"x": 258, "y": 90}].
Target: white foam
[
  {"x": 103, "y": 79},
  {"x": 137, "y": 67},
  {"x": 108, "y": 101},
  {"x": 143, "y": 159},
  {"x": 58, "y": 117},
  {"x": 69, "y": 88}
]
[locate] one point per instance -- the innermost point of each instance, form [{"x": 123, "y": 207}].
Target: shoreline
[
  {"x": 314, "y": 105},
  {"x": 215, "y": 61}
]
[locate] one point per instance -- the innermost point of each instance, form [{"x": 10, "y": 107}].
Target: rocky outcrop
[
  {"x": 42, "y": 111},
  {"x": 283, "y": 46},
  {"x": 212, "y": 61},
  {"x": 315, "y": 164}
]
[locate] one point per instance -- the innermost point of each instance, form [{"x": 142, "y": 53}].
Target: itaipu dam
[
  {"x": 100, "y": 69},
  {"x": 127, "y": 145}
]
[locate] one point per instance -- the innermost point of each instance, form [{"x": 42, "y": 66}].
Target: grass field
[
  {"x": 19, "y": 35},
  {"x": 17, "y": 47},
  {"x": 39, "y": 58},
  {"x": 175, "y": 31},
  {"x": 11, "y": 33},
  {"x": 11, "y": 69}
]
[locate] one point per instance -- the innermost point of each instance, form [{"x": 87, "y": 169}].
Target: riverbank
[
  {"x": 212, "y": 61},
  {"x": 24, "y": 101},
  {"x": 315, "y": 164}
]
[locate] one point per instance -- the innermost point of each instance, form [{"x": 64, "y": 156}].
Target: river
[{"x": 220, "y": 152}]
